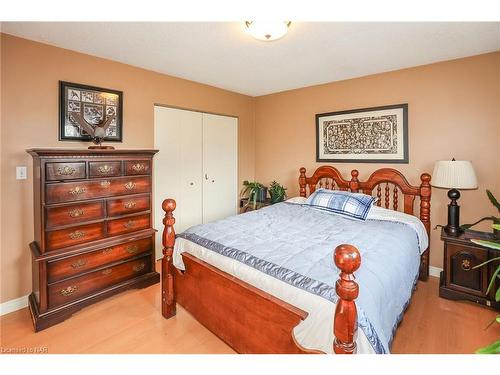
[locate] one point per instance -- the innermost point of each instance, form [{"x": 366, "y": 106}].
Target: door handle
[{"x": 206, "y": 176}]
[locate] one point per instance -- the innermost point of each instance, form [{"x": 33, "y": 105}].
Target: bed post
[
  {"x": 425, "y": 217},
  {"x": 345, "y": 322},
  {"x": 354, "y": 183},
  {"x": 302, "y": 182},
  {"x": 167, "y": 267}
]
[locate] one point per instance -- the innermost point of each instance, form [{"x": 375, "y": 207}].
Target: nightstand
[
  {"x": 246, "y": 206},
  {"x": 458, "y": 280}
]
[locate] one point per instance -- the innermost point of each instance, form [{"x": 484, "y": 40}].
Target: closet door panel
[
  {"x": 178, "y": 136},
  {"x": 220, "y": 167}
]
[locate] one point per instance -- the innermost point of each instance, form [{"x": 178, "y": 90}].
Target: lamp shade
[{"x": 454, "y": 174}]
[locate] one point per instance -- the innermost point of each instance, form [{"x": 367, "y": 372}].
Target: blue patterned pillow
[{"x": 353, "y": 205}]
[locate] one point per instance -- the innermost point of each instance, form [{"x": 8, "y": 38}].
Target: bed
[{"x": 282, "y": 279}]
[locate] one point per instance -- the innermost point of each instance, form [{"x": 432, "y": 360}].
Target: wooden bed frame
[{"x": 253, "y": 321}]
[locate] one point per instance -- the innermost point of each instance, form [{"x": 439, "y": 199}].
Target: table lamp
[{"x": 454, "y": 174}]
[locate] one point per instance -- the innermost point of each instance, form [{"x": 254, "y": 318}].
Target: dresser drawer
[
  {"x": 74, "y": 213},
  {"x": 76, "y": 191},
  {"x": 69, "y": 290},
  {"x": 65, "y": 171},
  {"x": 73, "y": 236},
  {"x": 128, "y": 224},
  {"x": 105, "y": 168},
  {"x": 123, "y": 206},
  {"x": 133, "y": 167},
  {"x": 67, "y": 267}
]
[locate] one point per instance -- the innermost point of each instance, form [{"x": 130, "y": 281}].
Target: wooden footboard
[{"x": 247, "y": 318}]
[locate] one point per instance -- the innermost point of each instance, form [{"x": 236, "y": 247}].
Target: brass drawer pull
[
  {"x": 132, "y": 249},
  {"x": 466, "y": 265},
  {"x": 66, "y": 171},
  {"x": 129, "y": 224},
  {"x": 108, "y": 250},
  {"x": 130, "y": 204},
  {"x": 77, "y": 234},
  {"x": 139, "y": 167},
  {"x": 77, "y": 190},
  {"x": 106, "y": 169},
  {"x": 129, "y": 185},
  {"x": 107, "y": 271},
  {"x": 138, "y": 267},
  {"x": 69, "y": 290},
  {"x": 79, "y": 263},
  {"x": 76, "y": 212},
  {"x": 105, "y": 184}
]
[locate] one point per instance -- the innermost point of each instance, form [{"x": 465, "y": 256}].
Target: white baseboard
[
  {"x": 13, "y": 305},
  {"x": 434, "y": 271}
]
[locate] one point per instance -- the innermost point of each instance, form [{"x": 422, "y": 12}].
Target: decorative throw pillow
[{"x": 353, "y": 205}]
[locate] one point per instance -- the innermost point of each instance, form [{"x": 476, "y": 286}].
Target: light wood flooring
[{"x": 132, "y": 323}]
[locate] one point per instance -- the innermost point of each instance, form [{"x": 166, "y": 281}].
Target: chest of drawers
[{"x": 93, "y": 228}]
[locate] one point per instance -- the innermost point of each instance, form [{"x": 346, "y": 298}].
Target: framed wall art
[
  {"x": 368, "y": 135},
  {"x": 94, "y": 104}
]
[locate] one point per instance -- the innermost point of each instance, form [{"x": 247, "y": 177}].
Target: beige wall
[
  {"x": 30, "y": 73},
  {"x": 454, "y": 111}
]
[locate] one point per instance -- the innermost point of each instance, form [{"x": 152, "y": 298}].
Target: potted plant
[
  {"x": 277, "y": 192},
  {"x": 496, "y": 220},
  {"x": 256, "y": 191},
  {"x": 493, "y": 348}
]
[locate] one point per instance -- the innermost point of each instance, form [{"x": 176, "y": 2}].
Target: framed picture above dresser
[{"x": 93, "y": 228}]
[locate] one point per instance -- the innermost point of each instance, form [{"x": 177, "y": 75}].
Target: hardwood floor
[{"x": 132, "y": 323}]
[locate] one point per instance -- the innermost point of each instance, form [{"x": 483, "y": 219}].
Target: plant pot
[
  {"x": 277, "y": 198},
  {"x": 262, "y": 194}
]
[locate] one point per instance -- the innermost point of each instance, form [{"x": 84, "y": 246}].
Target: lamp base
[
  {"x": 453, "y": 227},
  {"x": 453, "y": 231}
]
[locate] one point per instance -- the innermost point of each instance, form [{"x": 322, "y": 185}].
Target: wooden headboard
[{"x": 385, "y": 184}]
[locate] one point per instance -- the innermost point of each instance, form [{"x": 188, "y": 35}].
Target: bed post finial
[
  {"x": 425, "y": 217},
  {"x": 345, "y": 323},
  {"x": 167, "y": 267},
  {"x": 302, "y": 182},
  {"x": 354, "y": 183}
]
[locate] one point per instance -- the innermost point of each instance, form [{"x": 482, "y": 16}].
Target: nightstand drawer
[{"x": 461, "y": 275}]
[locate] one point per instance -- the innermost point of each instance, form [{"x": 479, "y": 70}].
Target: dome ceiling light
[{"x": 267, "y": 31}]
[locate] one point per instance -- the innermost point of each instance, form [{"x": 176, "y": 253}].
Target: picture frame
[
  {"x": 365, "y": 135},
  {"x": 95, "y": 103}
]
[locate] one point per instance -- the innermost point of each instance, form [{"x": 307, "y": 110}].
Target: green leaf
[
  {"x": 495, "y": 226},
  {"x": 490, "y": 349},
  {"x": 488, "y": 261},
  {"x": 497, "y": 296},
  {"x": 490, "y": 244},
  {"x": 493, "y": 200},
  {"x": 498, "y": 318},
  {"x": 492, "y": 282}
]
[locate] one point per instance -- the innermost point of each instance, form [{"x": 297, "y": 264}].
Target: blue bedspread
[{"x": 295, "y": 244}]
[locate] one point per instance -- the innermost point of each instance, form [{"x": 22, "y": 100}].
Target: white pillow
[{"x": 297, "y": 200}]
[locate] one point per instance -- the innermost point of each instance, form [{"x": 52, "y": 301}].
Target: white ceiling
[{"x": 222, "y": 54}]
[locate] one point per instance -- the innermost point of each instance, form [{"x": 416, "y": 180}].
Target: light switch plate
[{"x": 21, "y": 173}]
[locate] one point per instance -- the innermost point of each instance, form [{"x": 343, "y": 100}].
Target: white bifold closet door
[
  {"x": 220, "y": 166},
  {"x": 197, "y": 165}
]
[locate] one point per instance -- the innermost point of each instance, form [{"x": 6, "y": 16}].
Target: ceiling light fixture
[{"x": 267, "y": 31}]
